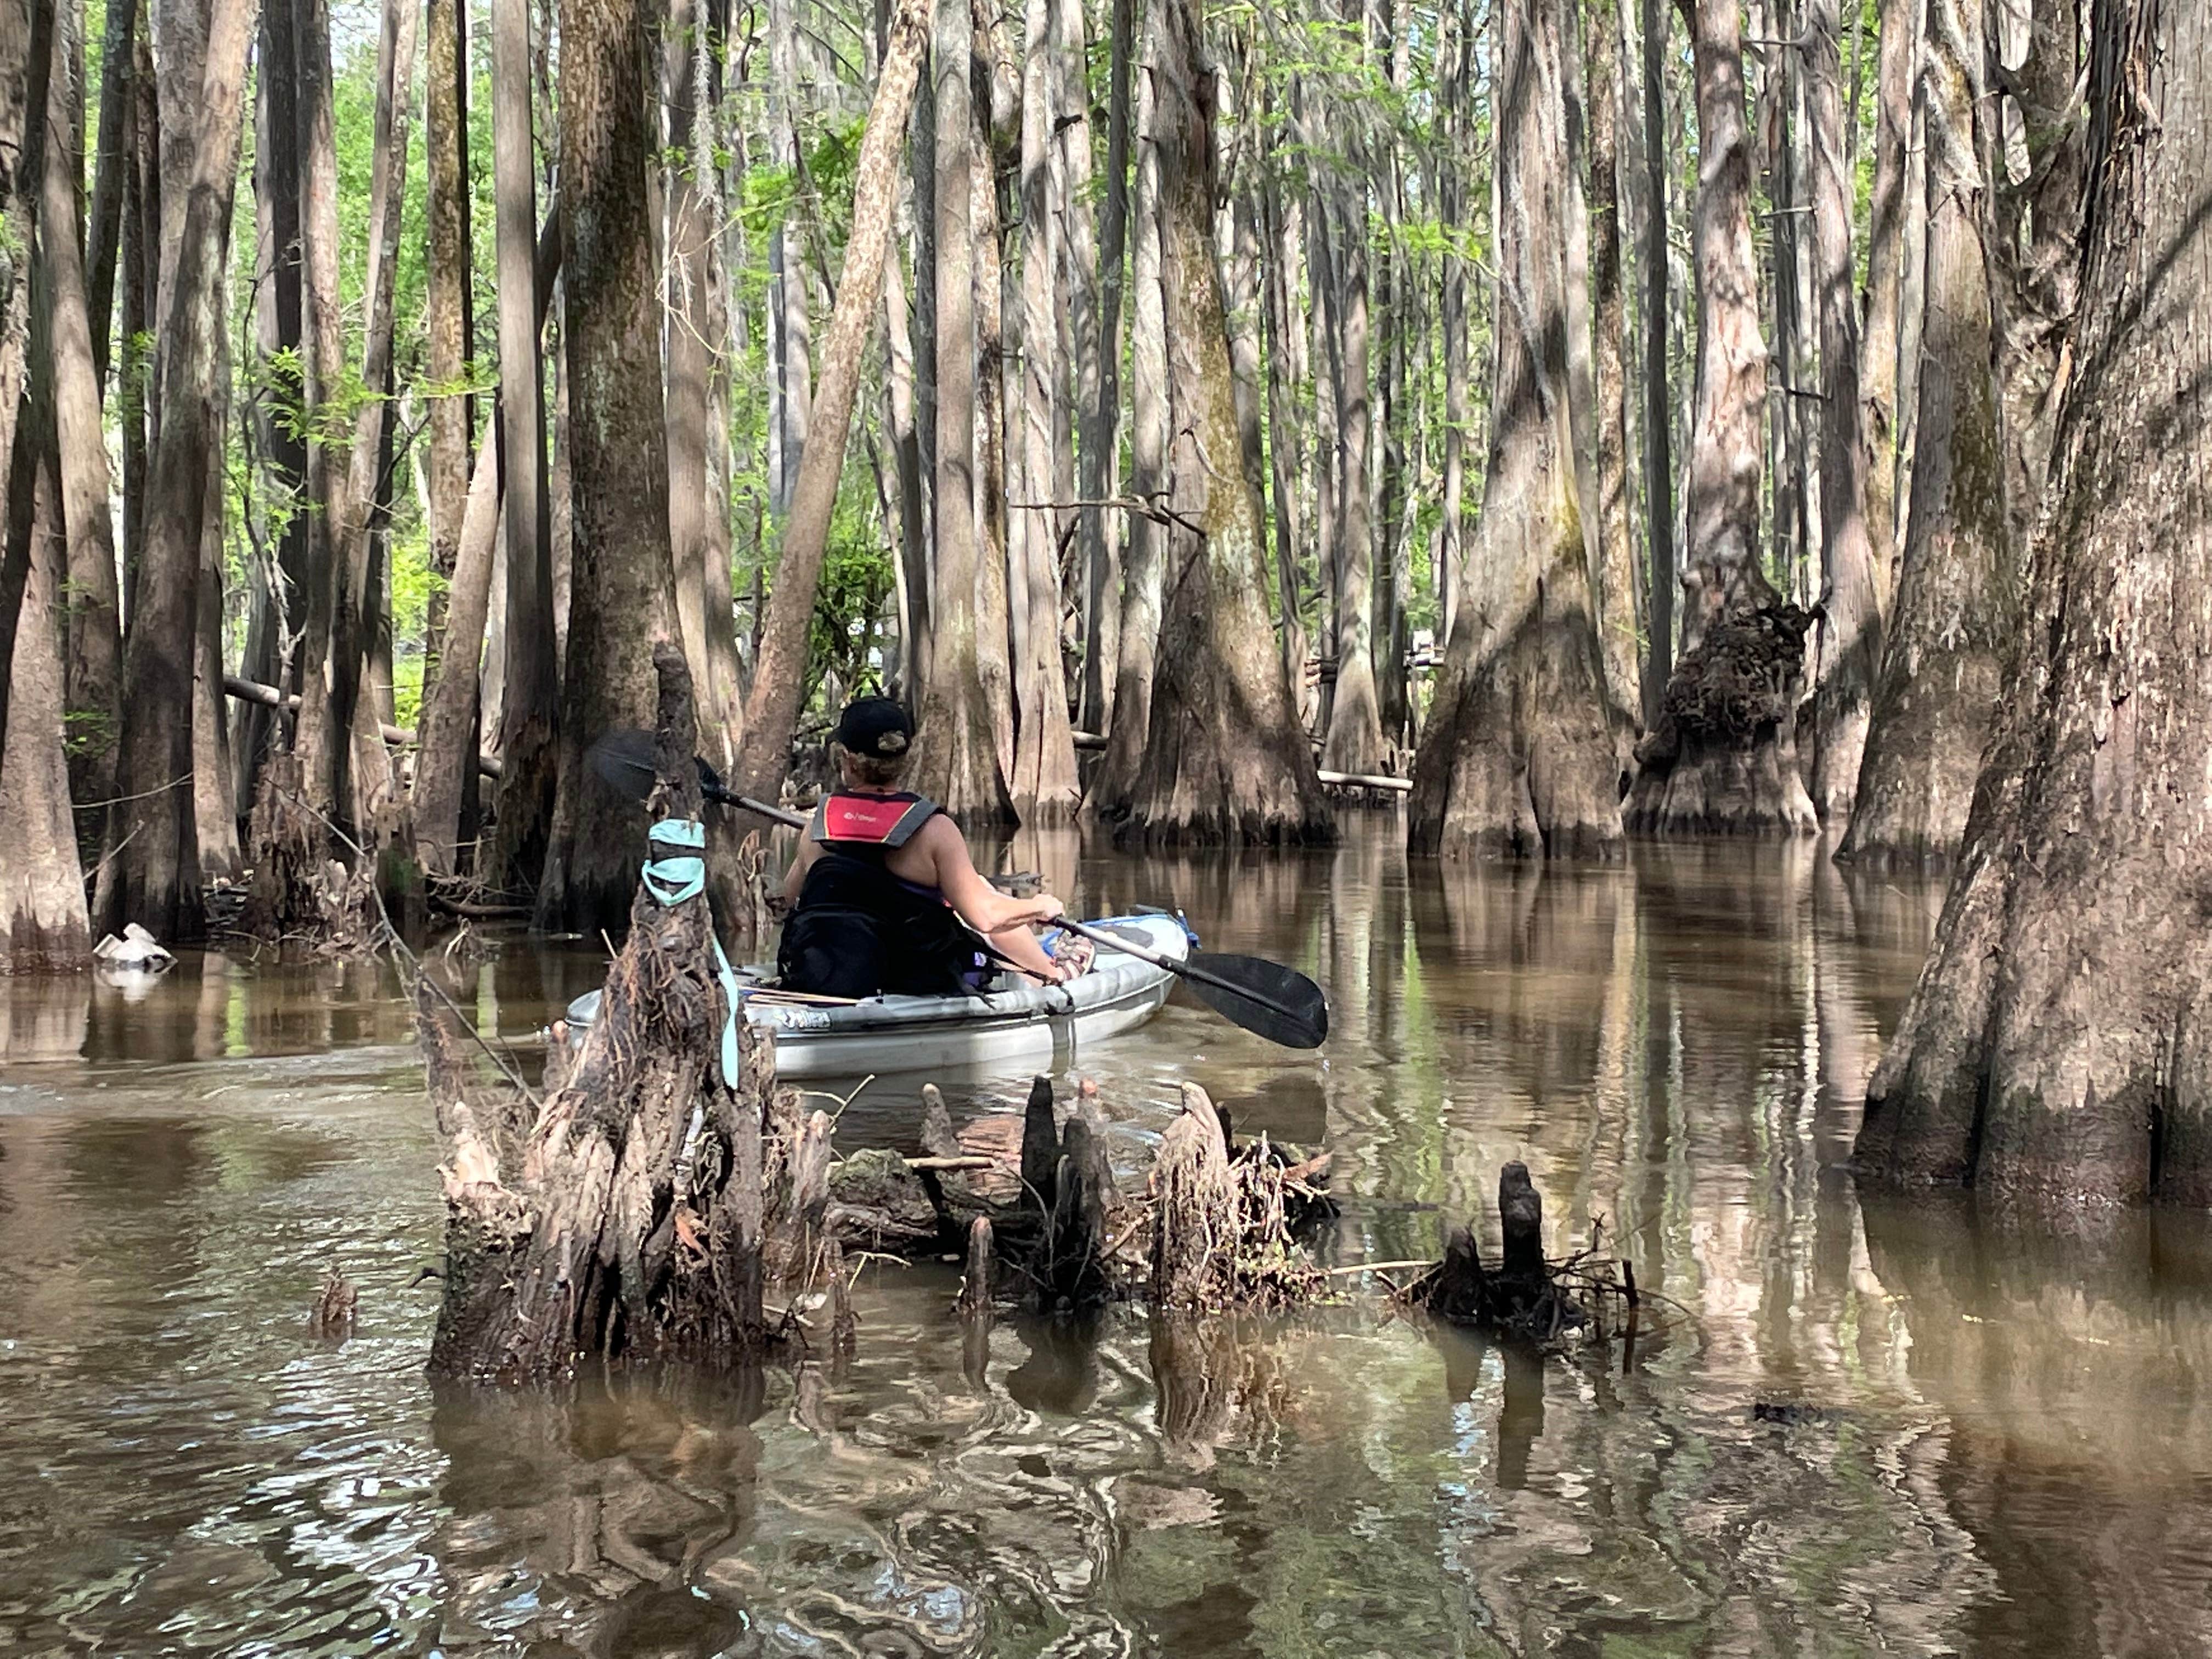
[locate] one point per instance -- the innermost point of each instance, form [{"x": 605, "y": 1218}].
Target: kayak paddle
[{"x": 1266, "y": 998}]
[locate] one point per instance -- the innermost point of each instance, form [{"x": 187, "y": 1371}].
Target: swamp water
[{"x": 1875, "y": 1425}]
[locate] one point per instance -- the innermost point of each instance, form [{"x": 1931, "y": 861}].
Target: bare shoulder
[{"x": 940, "y": 836}]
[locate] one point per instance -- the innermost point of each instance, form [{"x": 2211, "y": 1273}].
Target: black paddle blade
[
  {"x": 623, "y": 759},
  {"x": 1267, "y": 998}
]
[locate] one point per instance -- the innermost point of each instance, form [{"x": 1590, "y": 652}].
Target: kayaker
[{"x": 884, "y": 882}]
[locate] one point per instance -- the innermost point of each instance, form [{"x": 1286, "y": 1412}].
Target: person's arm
[{"x": 999, "y": 917}]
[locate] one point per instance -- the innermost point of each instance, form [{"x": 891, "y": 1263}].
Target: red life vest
[{"x": 885, "y": 820}]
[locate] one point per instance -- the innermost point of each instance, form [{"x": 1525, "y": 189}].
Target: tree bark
[
  {"x": 1136, "y": 651},
  {"x": 698, "y": 401},
  {"x": 1225, "y": 760},
  {"x": 26, "y": 66},
  {"x": 1616, "y": 555},
  {"x": 92, "y": 658},
  {"x": 1658, "y": 403},
  {"x": 1517, "y": 756},
  {"x": 1000, "y": 616},
  {"x": 1354, "y": 741},
  {"x": 1723, "y": 755},
  {"x": 621, "y": 585},
  {"x": 1287, "y": 441},
  {"x": 1851, "y": 631},
  {"x": 151, "y": 873},
  {"x": 1044, "y": 781},
  {"x": 1895, "y": 76},
  {"x": 111, "y": 162},
  {"x": 956, "y": 753},
  {"x": 1102, "y": 414},
  {"x": 2057, "y": 1046},
  {"x": 445, "y": 306},
  {"x": 779, "y": 679},
  {"x": 1959, "y": 589},
  {"x": 42, "y": 914}
]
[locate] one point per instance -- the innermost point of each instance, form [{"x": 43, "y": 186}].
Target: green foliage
[{"x": 857, "y": 580}]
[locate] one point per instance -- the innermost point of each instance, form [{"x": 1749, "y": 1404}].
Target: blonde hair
[{"x": 871, "y": 771}]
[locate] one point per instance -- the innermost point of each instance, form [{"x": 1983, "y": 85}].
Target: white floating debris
[{"x": 136, "y": 950}]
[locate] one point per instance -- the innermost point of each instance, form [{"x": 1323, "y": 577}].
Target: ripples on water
[{"x": 2003, "y": 1447}]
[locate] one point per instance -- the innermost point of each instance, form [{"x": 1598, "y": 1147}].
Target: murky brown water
[{"x": 2010, "y": 1452}]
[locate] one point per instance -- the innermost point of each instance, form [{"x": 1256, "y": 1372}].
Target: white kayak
[{"x": 1027, "y": 1027}]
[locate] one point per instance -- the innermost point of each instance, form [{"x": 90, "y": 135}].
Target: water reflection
[{"x": 1868, "y": 1425}]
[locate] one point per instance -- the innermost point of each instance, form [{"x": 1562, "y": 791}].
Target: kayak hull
[{"x": 1031, "y": 1028}]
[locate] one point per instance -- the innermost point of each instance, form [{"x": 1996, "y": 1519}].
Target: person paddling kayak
[{"x": 883, "y": 883}]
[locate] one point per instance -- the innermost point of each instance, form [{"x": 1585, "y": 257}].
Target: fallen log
[{"x": 268, "y": 697}]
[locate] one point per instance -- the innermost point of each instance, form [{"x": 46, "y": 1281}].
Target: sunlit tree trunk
[
  {"x": 1895, "y": 76},
  {"x": 1136, "y": 651},
  {"x": 1723, "y": 755},
  {"x": 1354, "y": 740},
  {"x": 1957, "y": 617},
  {"x": 956, "y": 753},
  {"x": 2059, "y": 1042},
  {"x": 93, "y": 653},
  {"x": 1225, "y": 758},
  {"x": 110, "y": 163},
  {"x": 151, "y": 873},
  {"x": 529, "y": 676},
  {"x": 1516, "y": 758},
  {"x": 1850, "y": 633},
  {"x": 1658, "y": 404},
  {"x": 1287, "y": 441},
  {"x": 1102, "y": 416},
  {"x": 42, "y": 912},
  {"x": 1001, "y": 574},
  {"x": 445, "y": 300},
  {"x": 772, "y": 711},
  {"x": 622, "y": 585},
  {"x": 1616, "y": 554},
  {"x": 26, "y": 64},
  {"x": 1044, "y": 781}
]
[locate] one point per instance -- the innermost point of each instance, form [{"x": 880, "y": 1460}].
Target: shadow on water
[{"x": 1849, "y": 1425}]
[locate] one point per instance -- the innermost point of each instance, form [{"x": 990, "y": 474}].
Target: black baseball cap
[{"x": 875, "y": 726}]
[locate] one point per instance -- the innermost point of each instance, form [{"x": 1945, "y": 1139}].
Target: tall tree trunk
[
  {"x": 42, "y": 914},
  {"x": 900, "y": 414},
  {"x": 1225, "y": 757},
  {"x": 698, "y": 401},
  {"x": 1044, "y": 781},
  {"x": 1958, "y": 592},
  {"x": 956, "y": 753},
  {"x": 92, "y": 659},
  {"x": 1000, "y": 618},
  {"x": 445, "y": 309},
  {"x": 779, "y": 679},
  {"x": 1102, "y": 414},
  {"x": 1084, "y": 324},
  {"x": 329, "y": 674},
  {"x": 1354, "y": 742},
  {"x": 1723, "y": 755},
  {"x": 26, "y": 68},
  {"x": 151, "y": 873},
  {"x": 103, "y": 233},
  {"x": 621, "y": 595},
  {"x": 1850, "y": 633},
  {"x": 1287, "y": 443},
  {"x": 1616, "y": 553},
  {"x": 530, "y": 692},
  {"x": 215, "y": 805},
  {"x": 1895, "y": 76},
  {"x": 1516, "y": 758},
  {"x": 2055, "y": 1046},
  {"x": 1136, "y": 652},
  {"x": 278, "y": 590},
  {"x": 1658, "y": 403}
]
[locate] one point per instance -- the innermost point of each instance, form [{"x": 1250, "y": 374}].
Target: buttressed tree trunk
[
  {"x": 1225, "y": 758},
  {"x": 151, "y": 875},
  {"x": 2059, "y": 1042},
  {"x": 42, "y": 914},
  {"x": 1517, "y": 756},
  {"x": 780, "y": 677},
  {"x": 1850, "y": 633},
  {"x": 1616, "y": 554},
  {"x": 1723, "y": 755},
  {"x": 621, "y": 592},
  {"x": 956, "y": 751},
  {"x": 1958, "y": 592}
]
